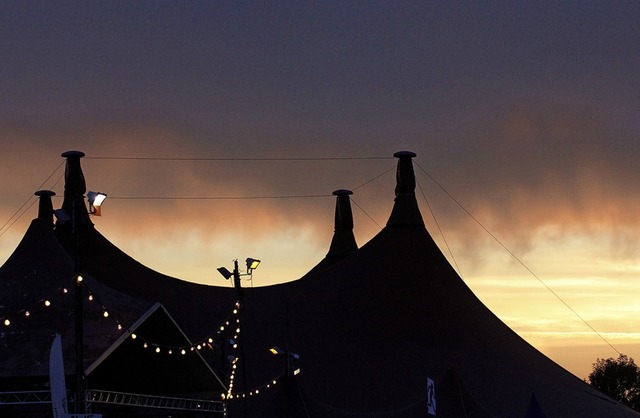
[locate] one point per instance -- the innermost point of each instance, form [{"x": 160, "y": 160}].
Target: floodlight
[
  {"x": 95, "y": 201},
  {"x": 276, "y": 351},
  {"x": 225, "y": 272},
  {"x": 252, "y": 264},
  {"x": 62, "y": 216}
]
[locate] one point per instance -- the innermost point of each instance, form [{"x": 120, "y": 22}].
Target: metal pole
[
  {"x": 236, "y": 281},
  {"x": 79, "y": 323}
]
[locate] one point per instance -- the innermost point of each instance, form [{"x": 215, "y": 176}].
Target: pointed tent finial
[
  {"x": 45, "y": 206},
  {"x": 343, "y": 242},
  {"x": 405, "y": 208},
  {"x": 75, "y": 187},
  {"x": 405, "y": 178}
]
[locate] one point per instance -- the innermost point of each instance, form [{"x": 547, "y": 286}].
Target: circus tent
[{"x": 365, "y": 333}]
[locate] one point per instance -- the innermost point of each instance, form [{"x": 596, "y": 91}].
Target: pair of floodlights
[
  {"x": 95, "y": 207},
  {"x": 252, "y": 264}
]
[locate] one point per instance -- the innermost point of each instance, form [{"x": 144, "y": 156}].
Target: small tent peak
[
  {"x": 343, "y": 242},
  {"x": 405, "y": 209},
  {"x": 74, "y": 188},
  {"x": 344, "y": 217},
  {"x": 45, "y": 206},
  {"x": 405, "y": 178}
]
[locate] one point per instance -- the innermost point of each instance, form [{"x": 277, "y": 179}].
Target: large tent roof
[{"x": 369, "y": 330}]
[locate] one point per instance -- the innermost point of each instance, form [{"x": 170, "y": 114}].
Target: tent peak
[
  {"x": 45, "y": 206},
  {"x": 74, "y": 188},
  {"x": 343, "y": 242},
  {"x": 405, "y": 208}
]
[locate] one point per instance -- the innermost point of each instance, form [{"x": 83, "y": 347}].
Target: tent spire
[
  {"x": 343, "y": 242},
  {"x": 74, "y": 188},
  {"x": 405, "y": 208},
  {"x": 45, "y": 206}
]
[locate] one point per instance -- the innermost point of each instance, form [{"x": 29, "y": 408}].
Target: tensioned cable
[
  {"x": 373, "y": 179},
  {"x": 236, "y": 159},
  {"x": 217, "y": 197},
  {"x": 3, "y": 229},
  {"x": 365, "y": 212},
  {"x": 245, "y": 197},
  {"x": 446, "y": 243},
  {"x": 515, "y": 257},
  {"x": 364, "y": 184}
]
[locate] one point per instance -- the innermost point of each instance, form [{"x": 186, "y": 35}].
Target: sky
[{"x": 220, "y": 129}]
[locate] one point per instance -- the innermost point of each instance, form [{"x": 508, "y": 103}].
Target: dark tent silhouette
[
  {"x": 37, "y": 301},
  {"x": 370, "y": 333}
]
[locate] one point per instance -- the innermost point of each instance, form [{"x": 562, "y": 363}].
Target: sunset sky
[{"x": 220, "y": 129}]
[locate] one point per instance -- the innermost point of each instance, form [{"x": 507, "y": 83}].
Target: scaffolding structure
[
  {"x": 118, "y": 398},
  {"x": 150, "y": 401}
]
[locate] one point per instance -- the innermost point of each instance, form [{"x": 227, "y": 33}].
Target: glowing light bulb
[
  {"x": 157, "y": 349},
  {"x": 105, "y": 314},
  {"x": 183, "y": 352},
  {"x": 27, "y": 313},
  {"x": 7, "y": 322},
  {"x": 134, "y": 336},
  {"x": 90, "y": 297},
  {"x": 79, "y": 279},
  {"x": 47, "y": 303}
]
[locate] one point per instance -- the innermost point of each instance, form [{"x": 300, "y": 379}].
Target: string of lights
[
  {"x": 256, "y": 390},
  {"x": 232, "y": 323},
  {"x": 233, "y": 358},
  {"x": 31, "y": 310},
  {"x": 206, "y": 343}
]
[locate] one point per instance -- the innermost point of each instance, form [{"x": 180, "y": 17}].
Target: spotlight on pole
[
  {"x": 95, "y": 202},
  {"x": 252, "y": 264},
  {"x": 225, "y": 272}
]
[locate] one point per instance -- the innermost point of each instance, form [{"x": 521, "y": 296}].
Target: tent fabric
[
  {"x": 39, "y": 271},
  {"x": 368, "y": 332},
  {"x": 534, "y": 410}
]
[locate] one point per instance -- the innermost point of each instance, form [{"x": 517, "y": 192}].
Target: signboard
[{"x": 431, "y": 397}]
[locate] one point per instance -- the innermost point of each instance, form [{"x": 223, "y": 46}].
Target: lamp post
[
  {"x": 291, "y": 369},
  {"x": 80, "y": 406},
  {"x": 76, "y": 223},
  {"x": 252, "y": 264}
]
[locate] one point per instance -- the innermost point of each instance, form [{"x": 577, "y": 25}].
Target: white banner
[
  {"x": 56, "y": 379},
  {"x": 431, "y": 397}
]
